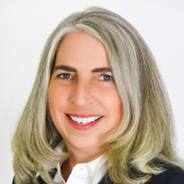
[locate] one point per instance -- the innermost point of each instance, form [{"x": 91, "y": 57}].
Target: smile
[{"x": 84, "y": 121}]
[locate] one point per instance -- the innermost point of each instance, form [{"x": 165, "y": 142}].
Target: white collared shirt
[{"x": 85, "y": 173}]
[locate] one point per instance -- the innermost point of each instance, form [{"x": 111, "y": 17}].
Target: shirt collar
[{"x": 92, "y": 166}]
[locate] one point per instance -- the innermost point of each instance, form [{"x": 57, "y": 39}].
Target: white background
[{"x": 25, "y": 26}]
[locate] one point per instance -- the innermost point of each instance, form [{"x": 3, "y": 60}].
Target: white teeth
[
  {"x": 90, "y": 119},
  {"x": 79, "y": 120},
  {"x": 74, "y": 118},
  {"x": 84, "y": 121}
]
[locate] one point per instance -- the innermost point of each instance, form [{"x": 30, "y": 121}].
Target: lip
[
  {"x": 83, "y": 115},
  {"x": 82, "y": 127}
]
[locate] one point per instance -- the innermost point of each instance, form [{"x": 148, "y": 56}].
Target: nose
[{"x": 82, "y": 94}]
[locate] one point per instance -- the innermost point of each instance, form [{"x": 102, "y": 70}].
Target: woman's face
[{"x": 83, "y": 100}]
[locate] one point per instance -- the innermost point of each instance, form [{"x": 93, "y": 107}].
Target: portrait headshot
[{"x": 96, "y": 108}]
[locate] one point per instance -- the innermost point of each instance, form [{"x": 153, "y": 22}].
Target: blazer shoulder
[
  {"x": 13, "y": 182},
  {"x": 178, "y": 177},
  {"x": 172, "y": 175},
  {"x": 40, "y": 180}
]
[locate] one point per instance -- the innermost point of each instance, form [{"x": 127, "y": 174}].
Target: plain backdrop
[{"x": 25, "y": 26}]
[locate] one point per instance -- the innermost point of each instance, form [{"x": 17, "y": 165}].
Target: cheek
[
  {"x": 114, "y": 109},
  {"x": 111, "y": 102},
  {"x": 53, "y": 95},
  {"x": 55, "y": 99},
  {"x": 110, "y": 97},
  {"x": 56, "y": 95}
]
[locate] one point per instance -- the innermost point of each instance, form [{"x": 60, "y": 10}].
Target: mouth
[
  {"x": 84, "y": 119},
  {"x": 83, "y": 122}
]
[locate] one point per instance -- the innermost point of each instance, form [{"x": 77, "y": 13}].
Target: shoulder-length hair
[{"x": 142, "y": 143}]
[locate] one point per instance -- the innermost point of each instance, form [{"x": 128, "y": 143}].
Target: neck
[{"x": 77, "y": 156}]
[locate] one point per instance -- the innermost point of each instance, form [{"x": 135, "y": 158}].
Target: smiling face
[{"x": 83, "y": 100}]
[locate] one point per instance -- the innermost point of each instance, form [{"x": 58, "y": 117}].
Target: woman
[{"x": 98, "y": 111}]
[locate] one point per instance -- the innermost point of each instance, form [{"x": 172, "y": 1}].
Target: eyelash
[
  {"x": 111, "y": 78},
  {"x": 63, "y": 74}
]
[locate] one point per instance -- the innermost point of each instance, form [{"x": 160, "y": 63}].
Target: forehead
[{"x": 79, "y": 48}]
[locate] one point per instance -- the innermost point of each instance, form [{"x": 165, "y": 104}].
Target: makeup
[{"x": 81, "y": 126}]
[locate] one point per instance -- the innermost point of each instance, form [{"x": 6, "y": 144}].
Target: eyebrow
[{"x": 71, "y": 69}]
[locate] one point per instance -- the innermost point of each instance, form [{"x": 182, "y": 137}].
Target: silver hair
[{"x": 145, "y": 136}]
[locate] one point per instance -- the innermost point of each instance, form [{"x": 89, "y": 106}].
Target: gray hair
[{"x": 145, "y": 135}]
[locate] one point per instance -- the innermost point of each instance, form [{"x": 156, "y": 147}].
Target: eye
[
  {"x": 65, "y": 76},
  {"x": 106, "y": 77}
]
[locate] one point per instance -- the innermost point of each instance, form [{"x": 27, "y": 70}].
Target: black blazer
[{"x": 173, "y": 175}]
